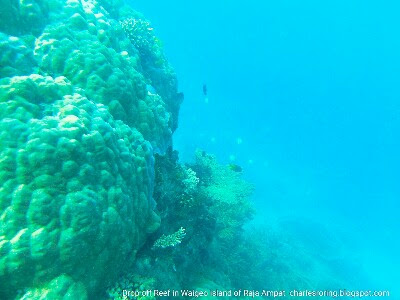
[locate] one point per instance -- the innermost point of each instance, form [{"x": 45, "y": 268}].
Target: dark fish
[
  {"x": 204, "y": 89},
  {"x": 235, "y": 168},
  {"x": 180, "y": 97}
]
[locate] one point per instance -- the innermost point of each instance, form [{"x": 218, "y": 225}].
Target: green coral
[
  {"x": 191, "y": 181},
  {"x": 170, "y": 240},
  {"x": 78, "y": 131},
  {"x": 141, "y": 34},
  {"x": 16, "y": 56},
  {"x": 156, "y": 68},
  {"x": 183, "y": 195},
  {"x": 23, "y": 17},
  {"x": 228, "y": 192},
  {"x": 221, "y": 251},
  {"x": 68, "y": 190}
]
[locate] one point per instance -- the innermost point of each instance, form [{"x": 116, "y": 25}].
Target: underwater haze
[
  {"x": 198, "y": 150},
  {"x": 304, "y": 96}
]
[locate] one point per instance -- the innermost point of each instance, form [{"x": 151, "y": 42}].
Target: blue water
[{"x": 305, "y": 96}]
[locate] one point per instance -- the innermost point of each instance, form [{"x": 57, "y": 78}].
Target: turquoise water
[
  {"x": 305, "y": 97},
  {"x": 199, "y": 150}
]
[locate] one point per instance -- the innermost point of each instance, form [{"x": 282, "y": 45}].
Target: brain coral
[{"x": 78, "y": 129}]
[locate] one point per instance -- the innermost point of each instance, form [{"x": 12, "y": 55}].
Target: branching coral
[
  {"x": 156, "y": 68},
  {"x": 228, "y": 192},
  {"x": 140, "y": 33},
  {"x": 191, "y": 181},
  {"x": 187, "y": 194},
  {"x": 170, "y": 240}
]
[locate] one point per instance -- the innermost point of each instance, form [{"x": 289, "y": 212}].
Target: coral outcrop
[
  {"x": 170, "y": 240},
  {"x": 78, "y": 130}
]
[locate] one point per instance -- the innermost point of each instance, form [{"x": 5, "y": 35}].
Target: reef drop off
[{"x": 78, "y": 133}]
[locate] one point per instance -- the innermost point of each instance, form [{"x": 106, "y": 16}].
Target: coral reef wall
[{"x": 83, "y": 108}]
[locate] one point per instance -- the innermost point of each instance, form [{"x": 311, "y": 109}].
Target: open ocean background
[{"x": 305, "y": 97}]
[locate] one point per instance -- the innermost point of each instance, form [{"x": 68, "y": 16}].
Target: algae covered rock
[{"x": 78, "y": 131}]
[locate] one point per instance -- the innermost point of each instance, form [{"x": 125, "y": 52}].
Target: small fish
[
  {"x": 235, "y": 168},
  {"x": 204, "y": 89}
]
